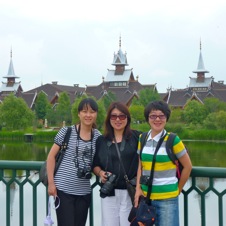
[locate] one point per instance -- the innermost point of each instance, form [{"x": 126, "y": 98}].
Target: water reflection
[
  {"x": 208, "y": 154},
  {"x": 24, "y": 151}
]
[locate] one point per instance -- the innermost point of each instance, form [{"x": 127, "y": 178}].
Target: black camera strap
[
  {"x": 120, "y": 160},
  {"x": 77, "y": 147},
  {"x": 152, "y": 168}
]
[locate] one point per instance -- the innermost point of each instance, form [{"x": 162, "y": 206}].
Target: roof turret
[{"x": 120, "y": 58}]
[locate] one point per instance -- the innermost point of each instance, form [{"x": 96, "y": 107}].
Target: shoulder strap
[
  {"x": 62, "y": 150},
  {"x": 66, "y": 138},
  {"x": 143, "y": 139},
  {"x": 152, "y": 168},
  {"x": 169, "y": 147},
  {"x": 120, "y": 160}
]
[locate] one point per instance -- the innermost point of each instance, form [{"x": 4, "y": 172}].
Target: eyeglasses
[
  {"x": 154, "y": 117},
  {"x": 121, "y": 117}
]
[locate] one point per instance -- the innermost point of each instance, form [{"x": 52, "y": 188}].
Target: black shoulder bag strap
[
  {"x": 120, "y": 160},
  {"x": 152, "y": 168},
  {"x": 62, "y": 150}
]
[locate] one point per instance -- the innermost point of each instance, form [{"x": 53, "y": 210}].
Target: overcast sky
[{"x": 73, "y": 42}]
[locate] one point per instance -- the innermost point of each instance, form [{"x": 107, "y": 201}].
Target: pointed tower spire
[
  {"x": 120, "y": 41},
  {"x": 201, "y": 67},
  {"x": 11, "y": 72}
]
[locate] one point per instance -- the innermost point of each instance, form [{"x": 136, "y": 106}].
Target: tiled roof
[
  {"x": 7, "y": 88},
  {"x": 29, "y": 98},
  {"x": 52, "y": 92},
  {"x": 206, "y": 82},
  {"x": 53, "y": 89},
  {"x": 178, "y": 98},
  {"x": 123, "y": 94},
  {"x": 112, "y": 77}
]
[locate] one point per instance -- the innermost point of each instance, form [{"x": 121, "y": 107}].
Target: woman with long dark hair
[{"x": 115, "y": 200}]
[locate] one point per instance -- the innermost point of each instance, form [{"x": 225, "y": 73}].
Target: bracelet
[{"x": 98, "y": 174}]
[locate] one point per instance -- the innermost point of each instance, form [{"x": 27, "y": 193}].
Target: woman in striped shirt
[
  {"x": 165, "y": 185},
  {"x": 71, "y": 183}
]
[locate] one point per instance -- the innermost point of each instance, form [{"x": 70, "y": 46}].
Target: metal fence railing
[{"x": 23, "y": 176}]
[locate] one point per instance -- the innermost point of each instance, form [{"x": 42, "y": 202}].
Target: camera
[
  {"x": 108, "y": 186},
  {"x": 144, "y": 180},
  {"x": 84, "y": 172}
]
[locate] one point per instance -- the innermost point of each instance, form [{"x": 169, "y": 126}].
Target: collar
[{"x": 157, "y": 137}]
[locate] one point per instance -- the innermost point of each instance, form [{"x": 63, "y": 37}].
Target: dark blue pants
[{"x": 73, "y": 209}]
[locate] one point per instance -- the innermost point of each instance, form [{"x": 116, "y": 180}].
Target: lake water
[{"x": 209, "y": 154}]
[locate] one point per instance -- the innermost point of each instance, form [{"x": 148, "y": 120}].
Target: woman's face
[
  {"x": 87, "y": 116},
  {"x": 157, "y": 121},
  {"x": 118, "y": 120}
]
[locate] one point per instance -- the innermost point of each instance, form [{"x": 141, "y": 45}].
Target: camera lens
[{"x": 109, "y": 185}]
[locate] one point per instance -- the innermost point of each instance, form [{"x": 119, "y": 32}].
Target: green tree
[
  {"x": 15, "y": 114},
  {"x": 137, "y": 113},
  {"x": 194, "y": 113},
  {"x": 213, "y": 104},
  {"x": 101, "y": 115},
  {"x": 221, "y": 119},
  {"x": 108, "y": 99},
  {"x": 215, "y": 120},
  {"x": 51, "y": 117},
  {"x": 210, "y": 121},
  {"x": 146, "y": 96},
  {"x": 42, "y": 105},
  {"x": 63, "y": 109},
  {"x": 175, "y": 116}
]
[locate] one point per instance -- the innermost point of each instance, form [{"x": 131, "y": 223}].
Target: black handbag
[
  {"x": 145, "y": 212},
  {"x": 43, "y": 171},
  {"x": 130, "y": 184}
]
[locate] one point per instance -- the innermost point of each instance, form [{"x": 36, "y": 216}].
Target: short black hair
[
  {"x": 157, "y": 105},
  {"x": 88, "y": 102}
]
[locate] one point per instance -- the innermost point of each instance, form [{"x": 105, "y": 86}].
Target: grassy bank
[{"x": 182, "y": 131}]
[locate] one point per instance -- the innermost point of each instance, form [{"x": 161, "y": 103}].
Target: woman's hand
[
  {"x": 52, "y": 189},
  {"x": 104, "y": 176},
  {"x": 137, "y": 196},
  {"x": 140, "y": 224}
]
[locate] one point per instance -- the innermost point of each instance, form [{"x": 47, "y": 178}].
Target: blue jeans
[{"x": 167, "y": 212}]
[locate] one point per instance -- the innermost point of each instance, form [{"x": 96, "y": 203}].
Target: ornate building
[
  {"x": 200, "y": 87},
  {"x": 11, "y": 85},
  {"x": 120, "y": 81}
]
